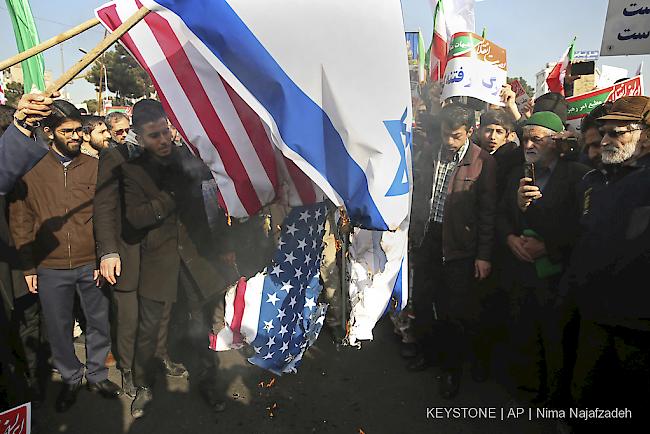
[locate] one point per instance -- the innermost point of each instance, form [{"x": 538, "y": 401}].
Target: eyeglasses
[
  {"x": 615, "y": 134},
  {"x": 68, "y": 132},
  {"x": 122, "y": 131}
]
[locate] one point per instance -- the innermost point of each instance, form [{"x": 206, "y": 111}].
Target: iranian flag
[
  {"x": 555, "y": 79},
  {"x": 449, "y": 17}
]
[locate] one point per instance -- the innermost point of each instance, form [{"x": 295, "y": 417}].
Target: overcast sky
[{"x": 532, "y": 31}]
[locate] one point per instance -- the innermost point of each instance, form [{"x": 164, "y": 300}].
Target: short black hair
[
  {"x": 591, "y": 120},
  {"x": 145, "y": 111},
  {"x": 455, "y": 116},
  {"x": 498, "y": 117},
  {"x": 62, "y": 111},
  {"x": 6, "y": 117},
  {"x": 90, "y": 122}
]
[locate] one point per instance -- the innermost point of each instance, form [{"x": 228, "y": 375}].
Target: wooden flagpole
[
  {"x": 97, "y": 51},
  {"x": 48, "y": 44}
]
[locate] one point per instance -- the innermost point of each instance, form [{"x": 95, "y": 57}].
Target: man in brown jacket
[
  {"x": 51, "y": 222},
  {"x": 457, "y": 247}
]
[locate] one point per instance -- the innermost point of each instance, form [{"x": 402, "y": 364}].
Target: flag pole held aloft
[
  {"x": 49, "y": 43},
  {"x": 98, "y": 50}
]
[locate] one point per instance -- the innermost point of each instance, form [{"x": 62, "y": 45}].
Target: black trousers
[
  {"x": 56, "y": 289},
  {"x": 125, "y": 305},
  {"x": 611, "y": 369},
  {"x": 26, "y": 317},
  {"x": 204, "y": 316},
  {"x": 446, "y": 303}
]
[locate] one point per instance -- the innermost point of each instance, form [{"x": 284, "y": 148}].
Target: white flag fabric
[{"x": 331, "y": 90}]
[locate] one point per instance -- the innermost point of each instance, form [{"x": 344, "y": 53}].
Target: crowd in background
[{"x": 528, "y": 241}]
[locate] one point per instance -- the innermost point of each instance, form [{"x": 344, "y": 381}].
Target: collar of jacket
[
  {"x": 471, "y": 155},
  {"x": 76, "y": 161}
]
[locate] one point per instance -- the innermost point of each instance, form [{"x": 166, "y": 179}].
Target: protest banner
[
  {"x": 627, "y": 28},
  {"x": 584, "y": 56},
  {"x": 3, "y": 99},
  {"x": 521, "y": 97},
  {"x": 476, "y": 67},
  {"x": 18, "y": 420},
  {"x": 579, "y": 106}
]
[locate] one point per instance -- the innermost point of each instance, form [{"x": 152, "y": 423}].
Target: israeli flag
[{"x": 330, "y": 81}]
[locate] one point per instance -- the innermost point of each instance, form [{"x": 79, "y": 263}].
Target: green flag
[
  {"x": 422, "y": 70},
  {"x": 26, "y": 38}
]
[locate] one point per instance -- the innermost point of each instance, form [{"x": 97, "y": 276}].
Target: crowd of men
[{"x": 529, "y": 244}]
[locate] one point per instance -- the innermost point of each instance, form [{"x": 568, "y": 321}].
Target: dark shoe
[
  {"x": 480, "y": 372},
  {"x": 127, "y": 384},
  {"x": 449, "y": 384},
  {"x": 142, "y": 397},
  {"x": 67, "y": 397},
  {"x": 418, "y": 364},
  {"x": 408, "y": 351},
  {"x": 106, "y": 388},
  {"x": 210, "y": 395},
  {"x": 173, "y": 369}
]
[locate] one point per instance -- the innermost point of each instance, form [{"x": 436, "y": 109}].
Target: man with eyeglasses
[
  {"x": 608, "y": 277},
  {"x": 119, "y": 127},
  {"x": 538, "y": 221},
  {"x": 51, "y": 222}
]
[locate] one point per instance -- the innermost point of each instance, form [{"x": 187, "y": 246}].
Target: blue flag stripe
[{"x": 304, "y": 126}]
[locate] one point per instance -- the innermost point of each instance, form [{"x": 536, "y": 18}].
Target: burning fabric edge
[{"x": 276, "y": 311}]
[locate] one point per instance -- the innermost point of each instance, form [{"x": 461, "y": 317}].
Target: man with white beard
[{"x": 608, "y": 276}]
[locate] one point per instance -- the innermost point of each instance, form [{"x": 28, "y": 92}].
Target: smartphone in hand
[{"x": 529, "y": 172}]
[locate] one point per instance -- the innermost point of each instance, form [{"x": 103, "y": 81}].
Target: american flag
[
  {"x": 276, "y": 311},
  {"x": 219, "y": 126}
]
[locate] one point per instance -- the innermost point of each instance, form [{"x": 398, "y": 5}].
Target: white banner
[{"x": 627, "y": 28}]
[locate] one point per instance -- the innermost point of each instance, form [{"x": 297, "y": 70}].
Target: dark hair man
[
  {"x": 590, "y": 135},
  {"x": 538, "y": 222},
  {"x": 118, "y": 126},
  {"x": 118, "y": 249},
  {"x": 51, "y": 222},
  {"x": 19, "y": 310},
  {"x": 457, "y": 247},
  {"x": 609, "y": 268},
  {"x": 163, "y": 198},
  {"x": 19, "y": 152},
  {"x": 494, "y": 132},
  {"x": 95, "y": 135}
]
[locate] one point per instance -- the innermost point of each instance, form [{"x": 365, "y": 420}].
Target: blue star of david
[{"x": 397, "y": 129}]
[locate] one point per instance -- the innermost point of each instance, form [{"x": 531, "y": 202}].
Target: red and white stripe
[
  {"x": 243, "y": 303},
  {"x": 213, "y": 119}
]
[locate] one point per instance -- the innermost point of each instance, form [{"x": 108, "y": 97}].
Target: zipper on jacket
[{"x": 65, "y": 185}]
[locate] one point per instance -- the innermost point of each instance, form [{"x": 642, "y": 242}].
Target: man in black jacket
[
  {"x": 538, "y": 223},
  {"x": 608, "y": 275},
  {"x": 163, "y": 198}
]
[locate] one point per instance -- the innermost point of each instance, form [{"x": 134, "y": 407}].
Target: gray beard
[{"x": 618, "y": 155}]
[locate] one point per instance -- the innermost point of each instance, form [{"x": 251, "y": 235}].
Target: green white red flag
[
  {"x": 555, "y": 79},
  {"x": 449, "y": 17}
]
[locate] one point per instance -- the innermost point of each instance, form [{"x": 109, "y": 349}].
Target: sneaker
[
  {"x": 173, "y": 369},
  {"x": 142, "y": 397},
  {"x": 127, "y": 384}
]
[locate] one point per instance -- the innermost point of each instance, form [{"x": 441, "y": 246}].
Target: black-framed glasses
[
  {"x": 68, "y": 132},
  {"x": 615, "y": 134}
]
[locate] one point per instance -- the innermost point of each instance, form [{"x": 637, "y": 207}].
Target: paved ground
[{"x": 346, "y": 391}]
